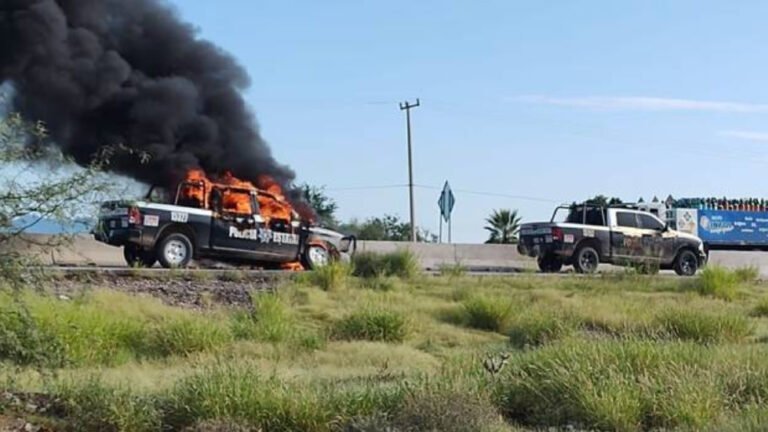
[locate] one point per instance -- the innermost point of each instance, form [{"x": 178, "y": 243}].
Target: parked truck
[{"x": 585, "y": 236}]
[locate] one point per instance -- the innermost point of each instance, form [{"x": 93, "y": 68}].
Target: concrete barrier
[{"x": 85, "y": 251}]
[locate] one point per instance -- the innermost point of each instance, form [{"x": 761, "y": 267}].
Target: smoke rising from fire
[{"x": 119, "y": 72}]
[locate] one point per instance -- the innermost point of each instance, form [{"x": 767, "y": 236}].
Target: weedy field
[{"x": 380, "y": 347}]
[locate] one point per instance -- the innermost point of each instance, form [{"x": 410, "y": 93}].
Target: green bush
[
  {"x": 702, "y": 327},
  {"x": 331, "y": 277},
  {"x": 24, "y": 342},
  {"x": 539, "y": 327},
  {"x": 185, "y": 335},
  {"x": 403, "y": 264},
  {"x": 612, "y": 385},
  {"x": 368, "y": 265},
  {"x": 455, "y": 270},
  {"x": 236, "y": 393},
  {"x": 379, "y": 283},
  {"x": 718, "y": 282},
  {"x": 747, "y": 274},
  {"x": 448, "y": 411},
  {"x": 761, "y": 308},
  {"x": 90, "y": 405},
  {"x": 269, "y": 321},
  {"x": 485, "y": 313},
  {"x": 372, "y": 325}
]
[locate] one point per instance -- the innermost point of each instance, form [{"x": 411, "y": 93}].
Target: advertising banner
[{"x": 733, "y": 227}]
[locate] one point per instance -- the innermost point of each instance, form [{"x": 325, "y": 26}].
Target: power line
[
  {"x": 353, "y": 188},
  {"x": 461, "y": 191}
]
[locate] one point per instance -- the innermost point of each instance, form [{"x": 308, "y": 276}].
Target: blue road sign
[{"x": 446, "y": 202}]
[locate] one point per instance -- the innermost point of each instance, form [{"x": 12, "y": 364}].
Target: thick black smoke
[{"x": 129, "y": 72}]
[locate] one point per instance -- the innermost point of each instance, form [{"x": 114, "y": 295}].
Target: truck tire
[
  {"x": 686, "y": 263},
  {"x": 175, "y": 251},
  {"x": 135, "y": 256},
  {"x": 316, "y": 256},
  {"x": 550, "y": 263},
  {"x": 586, "y": 259}
]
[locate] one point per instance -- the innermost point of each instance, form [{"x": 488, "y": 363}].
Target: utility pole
[{"x": 406, "y": 106}]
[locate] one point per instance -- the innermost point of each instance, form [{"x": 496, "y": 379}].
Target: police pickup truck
[
  {"x": 176, "y": 234},
  {"x": 623, "y": 235}
]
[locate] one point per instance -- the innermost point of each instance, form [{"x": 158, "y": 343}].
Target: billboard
[{"x": 733, "y": 227}]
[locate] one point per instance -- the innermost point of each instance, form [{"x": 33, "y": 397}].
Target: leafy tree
[
  {"x": 603, "y": 201},
  {"x": 386, "y": 228},
  {"x": 37, "y": 183},
  {"x": 325, "y": 207},
  {"x": 503, "y": 226}
]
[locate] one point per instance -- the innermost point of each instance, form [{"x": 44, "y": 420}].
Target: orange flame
[{"x": 236, "y": 195}]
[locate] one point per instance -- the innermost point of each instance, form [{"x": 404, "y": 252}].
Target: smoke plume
[{"x": 129, "y": 72}]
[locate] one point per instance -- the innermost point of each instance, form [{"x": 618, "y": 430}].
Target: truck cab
[{"x": 585, "y": 236}]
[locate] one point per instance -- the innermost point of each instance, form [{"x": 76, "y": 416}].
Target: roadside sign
[{"x": 446, "y": 202}]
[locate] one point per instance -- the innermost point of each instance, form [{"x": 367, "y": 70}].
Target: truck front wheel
[
  {"x": 316, "y": 256},
  {"x": 550, "y": 263},
  {"x": 586, "y": 260},
  {"x": 686, "y": 263},
  {"x": 175, "y": 251},
  {"x": 135, "y": 256}
]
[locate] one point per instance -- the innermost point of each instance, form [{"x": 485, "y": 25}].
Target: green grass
[
  {"x": 331, "y": 277},
  {"x": 372, "y": 325},
  {"x": 615, "y": 352},
  {"x": 488, "y": 313},
  {"x": 722, "y": 283},
  {"x": 402, "y": 264}
]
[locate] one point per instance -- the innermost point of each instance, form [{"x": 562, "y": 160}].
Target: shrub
[
  {"x": 368, "y": 265},
  {"x": 612, "y": 385},
  {"x": 331, "y": 277},
  {"x": 24, "y": 342},
  {"x": 90, "y": 405},
  {"x": 403, "y": 264},
  {"x": 761, "y": 308},
  {"x": 717, "y": 282},
  {"x": 269, "y": 321},
  {"x": 702, "y": 327},
  {"x": 449, "y": 411},
  {"x": 236, "y": 393},
  {"x": 186, "y": 335},
  {"x": 379, "y": 283},
  {"x": 747, "y": 274},
  {"x": 538, "y": 327},
  {"x": 485, "y": 313},
  {"x": 455, "y": 270},
  {"x": 372, "y": 325}
]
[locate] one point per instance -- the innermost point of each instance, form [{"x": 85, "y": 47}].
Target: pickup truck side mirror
[{"x": 665, "y": 228}]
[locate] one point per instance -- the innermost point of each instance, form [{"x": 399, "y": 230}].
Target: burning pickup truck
[{"x": 226, "y": 220}]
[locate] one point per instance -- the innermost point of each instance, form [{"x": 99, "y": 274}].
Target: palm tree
[{"x": 503, "y": 225}]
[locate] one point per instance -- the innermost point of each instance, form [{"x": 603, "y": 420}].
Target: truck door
[
  {"x": 237, "y": 228},
  {"x": 626, "y": 236},
  {"x": 282, "y": 227},
  {"x": 652, "y": 239}
]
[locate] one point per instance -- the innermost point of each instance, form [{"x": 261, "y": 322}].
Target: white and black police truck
[{"x": 194, "y": 228}]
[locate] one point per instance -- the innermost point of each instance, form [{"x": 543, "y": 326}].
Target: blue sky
[{"x": 555, "y": 100}]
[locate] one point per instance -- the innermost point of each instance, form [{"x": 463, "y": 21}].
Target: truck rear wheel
[
  {"x": 686, "y": 263},
  {"x": 586, "y": 260},
  {"x": 135, "y": 256},
  {"x": 550, "y": 263},
  {"x": 175, "y": 251}
]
